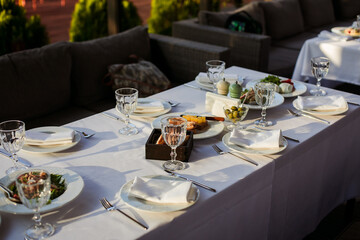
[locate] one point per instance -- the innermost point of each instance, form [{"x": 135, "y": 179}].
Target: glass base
[
  {"x": 317, "y": 92},
  {"x": 129, "y": 130},
  {"x": 263, "y": 123},
  {"x": 173, "y": 165},
  {"x": 40, "y": 232},
  {"x": 14, "y": 169}
]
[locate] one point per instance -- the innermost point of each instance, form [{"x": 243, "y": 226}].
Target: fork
[
  {"x": 85, "y": 134},
  {"x": 221, "y": 152},
  {"x": 107, "y": 205}
]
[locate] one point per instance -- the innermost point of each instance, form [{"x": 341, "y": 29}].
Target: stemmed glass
[
  {"x": 215, "y": 71},
  {"x": 173, "y": 130},
  {"x": 12, "y": 135},
  {"x": 235, "y": 114},
  {"x": 320, "y": 68},
  {"x": 264, "y": 96},
  {"x": 33, "y": 186},
  {"x": 126, "y": 101}
]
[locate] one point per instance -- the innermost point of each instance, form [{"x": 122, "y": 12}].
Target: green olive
[
  {"x": 235, "y": 114},
  {"x": 234, "y": 108}
]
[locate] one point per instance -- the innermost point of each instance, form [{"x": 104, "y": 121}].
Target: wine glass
[
  {"x": 264, "y": 96},
  {"x": 33, "y": 186},
  {"x": 12, "y": 136},
  {"x": 126, "y": 101},
  {"x": 173, "y": 130},
  {"x": 320, "y": 68},
  {"x": 215, "y": 71},
  {"x": 235, "y": 114}
]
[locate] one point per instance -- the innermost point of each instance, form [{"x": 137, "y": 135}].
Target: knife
[
  {"x": 221, "y": 119},
  {"x": 111, "y": 116},
  {"x": 19, "y": 159},
  {"x": 300, "y": 113},
  {"x": 203, "y": 89},
  {"x": 187, "y": 179}
]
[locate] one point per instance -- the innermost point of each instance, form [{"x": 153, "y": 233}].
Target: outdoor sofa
[
  {"x": 62, "y": 82},
  {"x": 286, "y": 25}
]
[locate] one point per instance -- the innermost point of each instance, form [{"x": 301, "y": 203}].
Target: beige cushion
[
  {"x": 218, "y": 19},
  {"x": 92, "y": 58},
  {"x": 347, "y": 9},
  {"x": 35, "y": 82},
  {"x": 282, "y": 18},
  {"x": 313, "y": 16}
]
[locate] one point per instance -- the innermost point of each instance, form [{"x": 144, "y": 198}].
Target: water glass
[
  {"x": 173, "y": 129},
  {"x": 215, "y": 72},
  {"x": 320, "y": 68},
  {"x": 33, "y": 186},
  {"x": 126, "y": 101},
  {"x": 12, "y": 136},
  {"x": 264, "y": 96}
]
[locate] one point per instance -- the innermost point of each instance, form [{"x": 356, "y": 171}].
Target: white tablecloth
[
  {"x": 284, "y": 197},
  {"x": 344, "y": 57}
]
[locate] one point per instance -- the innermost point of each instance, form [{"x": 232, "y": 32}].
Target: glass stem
[
  {"x": 15, "y": 159},
  {"x": 263, "y": 114},
  {"x": 127, "y": 120},
  {"x": 173, "y": 154},
  {"x": 37, "y": 219},
  {"x": 318, "y": 83}
]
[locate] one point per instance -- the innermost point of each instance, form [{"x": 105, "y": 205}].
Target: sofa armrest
[
  {"x": 181, "y": 60},
  {"x": 247, "y": 50}
]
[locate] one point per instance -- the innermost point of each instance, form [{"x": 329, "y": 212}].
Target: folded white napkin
[
  {"x": 203, "y": 78},
  {"x": 161, "y": 190},
  {"x": 214, "y": 103},
  {"x": 34, "y": 137},
  {"x": 333, "y": 36},
  {"x": 321, "y": 103},
  {"x": 149, "y": 107},
  {"x": 256, "y": 139}
]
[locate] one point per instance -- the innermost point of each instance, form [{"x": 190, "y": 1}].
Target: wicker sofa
[
  {"x": 286, "y": 25},
  {"x": 62, "y": 82}
]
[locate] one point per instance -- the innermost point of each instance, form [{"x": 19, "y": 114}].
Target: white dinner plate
[
  {"x": 152, "y": 206},
  {"x": 167, "y": 108},
  {"x": 208, "y": 85},
  {"x": 278, "y": 100},
  {"x": 74, "y": 185},
  {"x": 341, "y": 31},
  {"x": 53, "y": 148},
  {"x": 300, "y": 88},
  {"x": 324, "y": 113},
  {"x": 244, "y": 149},
  {"x": 213, "y": 129}
]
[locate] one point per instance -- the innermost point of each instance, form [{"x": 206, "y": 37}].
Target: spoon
[
  {"x": 9, "y": 194},
  {"x": 85, "y": 134}
]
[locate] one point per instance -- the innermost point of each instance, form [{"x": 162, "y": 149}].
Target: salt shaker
[
  {"x": 223, "y": 87},
  {"x": 235, "y": 90}
]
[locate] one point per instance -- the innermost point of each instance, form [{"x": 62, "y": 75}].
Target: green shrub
[
  {"x": 164, "y": 12},
  {"x": 17, "y": 32},
  {"x": 89, "y": 19}
]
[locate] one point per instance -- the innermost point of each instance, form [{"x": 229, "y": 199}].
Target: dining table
[
  {"x": 343, "y": 53},
  {"x": 284, "y": 197}
]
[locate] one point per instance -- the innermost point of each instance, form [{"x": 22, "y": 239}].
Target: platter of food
[
  {"x": 347, "y": 31},
  {"x": 285, "y": 87},
  {"x": 248, "y": 98},
  {"x": 150, "y": 206},
  {"x": 70, "y": 183},
  {"x": 200, "y": 125}
]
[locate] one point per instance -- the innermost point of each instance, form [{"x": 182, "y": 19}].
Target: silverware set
[
  {"x": 300, "y": 113},
  {"x": 109, "y": 207},
  {"x": 221, "y": 152}
]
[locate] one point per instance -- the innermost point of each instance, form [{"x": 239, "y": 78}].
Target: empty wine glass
[
  {"x": 215, "y": 71},
  {"x": 126, "y": 101},
  {"x": 33, "y": 186},
  {"x": 173, "y": 130},
  {"x": 320, "y": 68},
  {"x": 264, "y": 96},
  {"x": 12, "y": 136}
]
